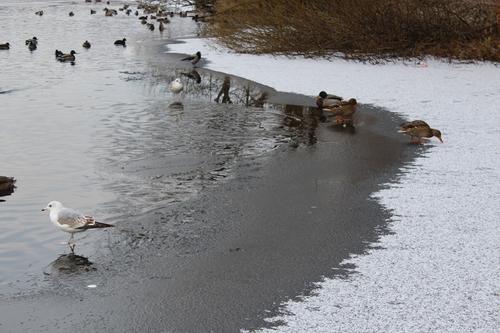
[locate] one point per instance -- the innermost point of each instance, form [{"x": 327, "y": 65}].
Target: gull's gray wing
[{"x": 73, "y": 219}]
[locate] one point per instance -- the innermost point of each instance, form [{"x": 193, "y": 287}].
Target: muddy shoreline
[{"x": 226, "y": 259}]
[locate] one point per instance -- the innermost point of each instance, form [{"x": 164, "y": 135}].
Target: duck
[
  {"x": 161, "y": 27},
  {"x": 71, "y": 14},
  {"x": 32, "y": 46},
  {"x": 151, "y": 26},
  {"x": 39, "y": 13},
  {"x": 86, "y": 44},
  {"x": 418, "y": 129},
  {"x": 66, "y": 57},
  {"x": 33, "y": 40},
  {"x": 5, "y": 46},
  {"x": 92, "y": 12},
  {"x": 193, "y": 58},
  {"x": 136, "y": 13},
  {"x": 176, "y": 86},
  {"x": 121, "y": 42},
  {"x": 324, "y": 100},
  {"x": 7, "y": 185},
  {"x": 343, "y": 112},
  {"x": 58, "y": 53}
]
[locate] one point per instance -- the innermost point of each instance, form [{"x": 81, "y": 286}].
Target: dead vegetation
[{"x": 461, "y": 29}]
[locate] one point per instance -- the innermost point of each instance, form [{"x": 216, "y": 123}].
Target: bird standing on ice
[
  {"x": 70, "y": 220},
  {"x": 176, "y": 86},
  {"x": 193, "y": 58}
]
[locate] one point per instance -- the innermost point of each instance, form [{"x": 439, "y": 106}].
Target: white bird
[
  {"x": 70, "y": 220},
  {"x": 176, "y": 86}
]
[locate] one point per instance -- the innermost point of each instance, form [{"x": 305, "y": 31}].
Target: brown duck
[
  {"x": 419, "y": 129},
  {"x": 6, "y": 185},
  {"x": 343, "y": 111}
]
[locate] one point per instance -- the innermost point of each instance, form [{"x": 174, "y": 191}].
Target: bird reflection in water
[
  {"x": 224, "y": 91},
  {"x": 176, "y": 106},
  {"x": 69, "y": 264},
  {"x": 304, "y": 120},
  {"x": 193, "y": 75}
]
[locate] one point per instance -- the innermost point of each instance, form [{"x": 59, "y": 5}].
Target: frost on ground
[{"x": 439, "y": 271}]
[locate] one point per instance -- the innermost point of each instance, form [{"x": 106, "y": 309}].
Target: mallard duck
[
  {"x": 66, "y": 57},
  {"x": 327, "y": 100},
  {"x": 5, "y": 46},
  {"x": 419, "y": 129},
  {"x": 193, "y": 58},
  {"x": 86, "y": 44},
  {"x": 121, "y": 42},
  {"x": 343, "y": 111}
]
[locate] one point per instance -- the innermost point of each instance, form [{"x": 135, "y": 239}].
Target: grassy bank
[{"x": 462, "y": 29}]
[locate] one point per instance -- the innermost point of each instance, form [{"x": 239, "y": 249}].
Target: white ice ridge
[{"x": 440, "y": 269}]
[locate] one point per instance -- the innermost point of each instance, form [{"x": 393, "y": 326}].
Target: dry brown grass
[{"x": 462, "y": 29}]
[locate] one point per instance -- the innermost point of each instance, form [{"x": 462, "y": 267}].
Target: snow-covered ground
[{"x": 440, "y": 269}]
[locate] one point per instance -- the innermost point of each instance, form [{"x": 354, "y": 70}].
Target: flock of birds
[
  {"x": 72, "y": 221},
  {"x": 154, "y": 12},
  {"x": 344, "y": 111}
]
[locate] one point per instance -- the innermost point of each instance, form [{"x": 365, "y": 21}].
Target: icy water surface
[{"x": 105, "y": 136}]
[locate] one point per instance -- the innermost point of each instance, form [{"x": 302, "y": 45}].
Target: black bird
[
  {"x": 151, "y": 26},
  {"x": 32, "y": 46},
  {"x": 33, "y": 40},
  {"x": 71, "y": 14},
  {"x": 193, "y": 58},
  {"x": 58, "y": 53},
  {"x": 86, "y": 44},
  {"x": 5, "y": 46},
  {"x": 92, "y": 12},
  {"x": 121, "y": 42}
]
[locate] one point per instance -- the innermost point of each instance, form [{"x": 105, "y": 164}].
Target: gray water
[{"x": 105, "y": 136}]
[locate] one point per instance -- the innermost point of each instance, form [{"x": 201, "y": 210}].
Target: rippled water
[{"x": 105, "y": 136}]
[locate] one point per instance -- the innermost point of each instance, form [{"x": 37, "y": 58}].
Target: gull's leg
[{"x": 71, "y": 244}]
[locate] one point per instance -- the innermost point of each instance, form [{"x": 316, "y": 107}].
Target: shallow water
[{"x": 106, "y": 136}]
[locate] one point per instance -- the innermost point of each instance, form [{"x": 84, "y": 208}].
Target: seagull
[
  {"x": 70, "y": 220},
  {"x": 176, "y": 86},
  {"x": 193, "y": 58}
]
